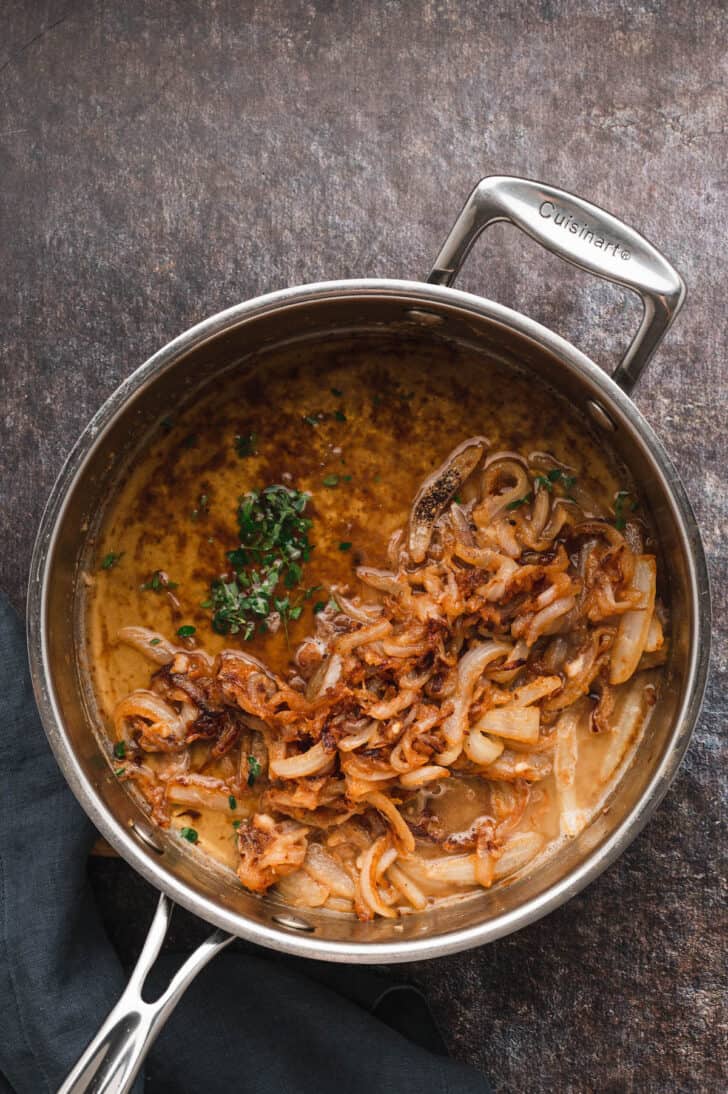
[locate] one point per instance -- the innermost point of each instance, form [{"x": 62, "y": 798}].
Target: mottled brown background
[{"x": 160, "y": 161}]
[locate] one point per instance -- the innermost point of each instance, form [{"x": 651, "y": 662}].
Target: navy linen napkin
[{"x": 249, "y": 1024}]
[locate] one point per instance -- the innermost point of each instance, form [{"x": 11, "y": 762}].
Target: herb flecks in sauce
[
  {"x": 623, "y": 501},
  {"x": 245, "y": 445},
  {"x": 158, "y": 583},
  {"x": 273, "y": 549},
  {"x": 110, "y": 560},
  {"x": 253, "y": 770},
  {"x": 190, "y": 834}
]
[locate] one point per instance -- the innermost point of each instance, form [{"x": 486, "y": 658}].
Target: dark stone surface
[{"x": 163, "y": 160}]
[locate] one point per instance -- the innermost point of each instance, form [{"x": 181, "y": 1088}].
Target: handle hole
[
  {"x": 145, "y": 836},
  {"x": 293, "y": 922}
]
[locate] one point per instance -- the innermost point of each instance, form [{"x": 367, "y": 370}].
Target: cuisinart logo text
[{"x": 588, "y": 232}]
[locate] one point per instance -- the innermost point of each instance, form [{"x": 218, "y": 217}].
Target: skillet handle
[
  {"x": 580, "y": 233},
  {"x": 113, "y": 1059}
]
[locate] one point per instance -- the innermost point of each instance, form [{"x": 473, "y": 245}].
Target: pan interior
[{"x": 296, "y": 349}]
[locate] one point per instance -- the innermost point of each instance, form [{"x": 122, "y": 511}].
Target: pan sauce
[{"x": 383, "y": 422}]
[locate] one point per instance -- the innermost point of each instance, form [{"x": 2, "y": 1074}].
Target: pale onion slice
[
  {"x": 566, "y": 757},
  {"x": 632, "y": 713},
  {"x": 536, "y": 690},
  {"x": 421, "y": 776},
  {"x": 513, "y": 723},
  {"x": 655, "y": 635},
  {"x": 482, "y": 750},
  {"x": 520, "y": 849},
  {"x": 149, "y": 643},
  {"x": 311, "y": 762},
  {"x": 469, "y": 670},
  {"x": 402, "y": 834},
  {"x": 302, "y": 891},
  {"x": 634, "y": 625},
  {"x": 368, "y": 878},
  {"x": 324, "y": 869},
  {"x": 348, "y": 642},
  {"x": 407, "y": 887}
]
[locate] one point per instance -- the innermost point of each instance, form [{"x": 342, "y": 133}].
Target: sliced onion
[
  {"x": 404, "y": 838},
  {"x": 311, "y": 762},
  {"x": 150, "y": 643},
  {"x": 514, "y": 723},
  {"x": 301, "y": 890},
  {"x": 407, "y": 887},
  {"x": 517, "y": 853},
  {"x": 347, "y": 642},
  {"x": 482, "y": 750},
  {"x": 437, "y": 490},
  {"x": 323, "y": 868},
  {"x": 469, "y": 670},
  {"x": 634, "y": 625},
  {"x": 421, "y": 776}
]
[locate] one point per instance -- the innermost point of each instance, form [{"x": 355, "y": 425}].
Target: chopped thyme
[
  {"x": 345, "y": 546},
  {"x": 273, "y": 549},
  {"x": 119, "y": 772},
  {"x": 120, "y": 750},
  {"x": 158, "y": 583},
  {"x": 340, "y": 416},
  {"x": 232, "y": 801},
  {"x": 330, "y": 481},
  {"x": 620, "y": 504},
  {"x": 111, "y": 559},
  {"x": 190, "y": 834},
  {"x": 245, "y": 444},
  {"x": 253, "y": 770},
  {"x": 237, "y": 823},
  {"x": 345, "y": 478},
  {"x": 186, "y": 631},
  {"x": 519, "y": 502},
  {"x": 154, "y": 641},
  {"x": 311, "y": 419},
  {"x": 319, "y": 606}
]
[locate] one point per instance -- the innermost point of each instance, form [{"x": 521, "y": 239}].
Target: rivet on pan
[
  {"x": 146, "y": 837},
  {"x": 600, "y": 416},
  {"x": 293, "y": 922},
  {"x": 424, "y": 318}
]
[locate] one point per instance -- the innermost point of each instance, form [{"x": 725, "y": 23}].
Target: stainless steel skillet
[{"x": 306, "y": 316}]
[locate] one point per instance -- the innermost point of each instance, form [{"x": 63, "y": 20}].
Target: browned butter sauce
[{"x": 380, "y": 422}]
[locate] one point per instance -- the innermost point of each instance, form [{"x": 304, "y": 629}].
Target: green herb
[
  {"x": 190, "y": 834},
  {"x": 519, "y": 501},
  {"x": 345, "y": 546},
  {"x": 245, "y": 444},
  {"x": 345, "y": 478},
  {"x": 331, "y": 481},
  {"x": 186, "y": 631},
  {"x": 620, "y": 504},
  {"x": 310, "y": 419},
  {"x": 253, "y": 770},
  {"x": 273, "y": 549},
  {"x": 120, "y": 750},
  {"x": 232, "y": 801},
  {"x": 154, "y": 641},
  {"x": 110, "y": 560},
  {"x": 120, "y": 771},
  {"x": 159, "y": 582},
  {"x": 555, "y": 475},
  {"x": 237, "y": 823},
  {"x": 190, "y": 441},
  {"x": 319, "y": 606},
  {"x": 340, "y": 416},
  {"x": 458, "y": 499},
  {"x": 335, "y": 391}
]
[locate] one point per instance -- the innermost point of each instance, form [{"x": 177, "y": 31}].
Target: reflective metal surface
[{"x": 378, "y": 311}]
